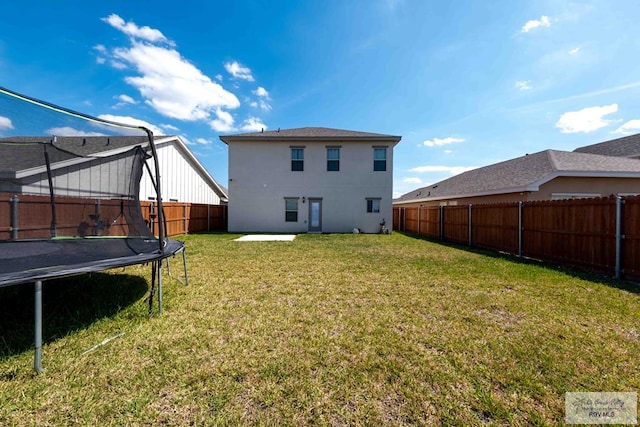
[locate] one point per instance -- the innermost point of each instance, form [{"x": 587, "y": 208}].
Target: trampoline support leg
[
  {"x": 184, "y": 262},
  {"x": 160, "y": 287},
  {"x": 37, "y": 361}
]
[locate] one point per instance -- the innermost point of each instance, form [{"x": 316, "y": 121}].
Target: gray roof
[
  {"x": 524, "y": 173},
  {"x": 627, "y": 146},
  {"x": 25, "y": 152},
  {"x": 310, "y": 134}
]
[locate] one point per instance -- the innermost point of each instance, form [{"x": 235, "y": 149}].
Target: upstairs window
[
  {"x": 297, "y": 159},
  {"x": 291, "y": 210},
  {"x": 380, "y": 159},
  {"x": 333, "y": 159},
  {"x": 373, "y": 205}
]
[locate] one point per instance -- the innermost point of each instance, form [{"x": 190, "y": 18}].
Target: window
[
  {"x": 297, "y": 159},
  {"x": 333, "y": 159},
  {"x": 291, "y": 210},
  {"x": 373, "y": 205},
  {"x": 380, "y": 159}
]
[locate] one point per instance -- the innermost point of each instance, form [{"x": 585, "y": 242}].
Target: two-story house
[{"x": 310, "y": 180}]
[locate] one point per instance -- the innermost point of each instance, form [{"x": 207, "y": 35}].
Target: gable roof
[
  {"x": 310, "y": 134},
  {"x": 23, "y": 155},
  {"x": 627, "y": 146},
  {"x": 524, "y": 173}
]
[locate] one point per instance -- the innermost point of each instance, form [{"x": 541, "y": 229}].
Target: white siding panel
[{"x": 179, "y": 179}]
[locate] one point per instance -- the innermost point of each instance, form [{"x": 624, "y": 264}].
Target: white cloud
[
  {"x": 69, "y": 131},
  {"x": 100, "y": 48},
  {"x": 447, "y": 151},
  {"x": 238, "y": 71},
  {"x": 441, "y": 141},
  {"x": 169, "y": 127},
  {"x": 224, "y": 122},
  {"x": 262, "y": 92},
  {"x": 126, "y": 99},
  {"x": 253, "y": 124},
  {"x": 219, "y": 77},
  {"x": 176, "y": 89},
  {"x": 168, "y": 83},
  {"x": 5, "y": 123},
  {"x": 632, "y": 126},
  {"x": 203, "y": 141},
  {"x": 412, "y": 180},
  {"x": 132, "y": 30},
  {"x": 574, "y": 51},
  {"x": 524, "y": 85},
  {"x": 535, "y": 23},
  {"x": 586, "y": 120},
  {"x": 453, "y": 170},
  {"x": 262, "y": 103},
  {"x": 131, "y": 121},
  {"x": 100, "y": 60}
]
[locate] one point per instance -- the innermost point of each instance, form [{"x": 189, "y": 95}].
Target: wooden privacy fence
[
  {"x": 601, "y": 235},
  {"x": 183, "y": 218},
  {"x": 28, "y": 216}
]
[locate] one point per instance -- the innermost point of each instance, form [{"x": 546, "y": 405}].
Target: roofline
[
  {"x": 243, "y": 138},
  {"x": 534, "y": 186},
  {"x": 160, "y": 141}
]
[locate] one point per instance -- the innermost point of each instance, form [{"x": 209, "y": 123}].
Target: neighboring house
[
  {"x": 628, "y": 146},
  {"x": 547, "y": 175},
  {"x": 310, "y": 179},
  {"x": 182, "y": 177}
]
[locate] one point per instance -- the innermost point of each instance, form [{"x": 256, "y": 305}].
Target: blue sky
[{"x": 465, "y": 83}]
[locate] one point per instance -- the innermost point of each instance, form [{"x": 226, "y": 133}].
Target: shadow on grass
[
  {"x": 68, "y": 305},
  {"x": 583, "y": 274}
]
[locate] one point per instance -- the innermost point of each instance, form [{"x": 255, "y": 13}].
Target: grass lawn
[{"x": 328, "y": 329}]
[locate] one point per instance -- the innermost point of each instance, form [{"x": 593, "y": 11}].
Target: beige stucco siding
[{"x": 260, "y": 178}]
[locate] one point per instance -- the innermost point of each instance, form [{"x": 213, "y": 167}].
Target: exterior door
[{"x": 315, "y": 215}]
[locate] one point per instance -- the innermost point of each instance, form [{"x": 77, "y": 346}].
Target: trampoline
[{"x": 69, "y": 199}]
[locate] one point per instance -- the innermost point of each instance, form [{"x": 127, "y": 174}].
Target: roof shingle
[
  {"x": 309, "y": 133},
  {"x": 521, "y": 173}
]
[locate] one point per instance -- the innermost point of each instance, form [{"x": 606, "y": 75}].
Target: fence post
[
  {"x": 441, "y": 222},
  {"x": 404, "y": 219},
  {"x": 470, "y": 225},
  {"x": 418, "y": 220},
  {"x": 519, "y": 228},
  {"x": 208, "y": 217},
  {"x": 184, "y": 222},
  {"x": 619, "y": 236},
  {"x": 14, "y": 217}
]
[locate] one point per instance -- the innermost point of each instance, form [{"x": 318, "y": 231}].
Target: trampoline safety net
[{"x": 69, "y": 192}]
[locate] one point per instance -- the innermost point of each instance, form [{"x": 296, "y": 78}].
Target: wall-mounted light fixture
[{"x": 303, "y": 199}]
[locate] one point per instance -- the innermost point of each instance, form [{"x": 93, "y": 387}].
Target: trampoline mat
[{"x": 32, "y": 260}]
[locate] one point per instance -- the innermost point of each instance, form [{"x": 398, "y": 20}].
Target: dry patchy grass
[{"x": 328, "y": 329}]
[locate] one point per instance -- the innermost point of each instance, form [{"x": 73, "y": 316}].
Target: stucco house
[
  {"x": 183, "y": 177},
  {"x": 546, "y": 175},
  {"x": 310, "y": 179}
]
